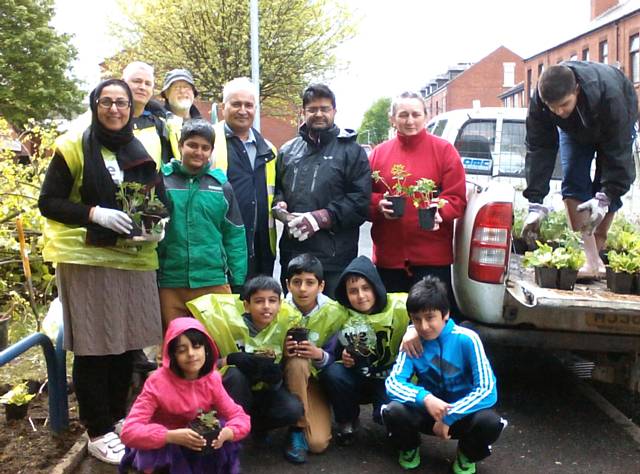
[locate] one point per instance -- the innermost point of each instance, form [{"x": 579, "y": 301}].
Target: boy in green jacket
[{"x": 204, "y": 248}]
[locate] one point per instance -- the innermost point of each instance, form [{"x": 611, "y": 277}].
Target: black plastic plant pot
[
  {"x": 621, "y": 283},
  {"x": 427, "y": 218},
  {"x": 136, "y": 230},
  {"x": 567, "y": 279},
  {"x": 398, "y": 204},
  {"x": 15, "y": 412},
  {"x": 546, "y": 277},
  {"x": 149, "y": 220},
  {"x": 298, "y": 334},
  {"x": 209, "y": 435},
  {"x": 609, "y": 277},
  {"x": 636, "y": 281},
  {"x": 362, "y": 361}
]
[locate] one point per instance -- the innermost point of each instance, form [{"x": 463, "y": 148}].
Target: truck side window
[
  {"x": 512, "y": 149},
  {"x": 439, "y": 128},
  {"x": 476, "y": 143}
]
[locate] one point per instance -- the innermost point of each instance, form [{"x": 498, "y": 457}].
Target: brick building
[
  {"x": 611, "y": 37},
  {"x": 478, "y": 84}
]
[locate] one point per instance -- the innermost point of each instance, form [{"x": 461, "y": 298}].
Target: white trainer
[{"x": 107, "y": 448}]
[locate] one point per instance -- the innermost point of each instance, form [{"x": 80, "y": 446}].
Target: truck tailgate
[{"x": 589, "y": 308}]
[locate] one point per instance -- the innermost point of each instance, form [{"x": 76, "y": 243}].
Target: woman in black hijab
[{"x": 106, "y": 281}]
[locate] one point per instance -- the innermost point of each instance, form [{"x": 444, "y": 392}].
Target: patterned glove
[
  {"x": 531, "y": 227},
  {"x": 307, "y": 224},
  {"x": 597, "y": 207}
]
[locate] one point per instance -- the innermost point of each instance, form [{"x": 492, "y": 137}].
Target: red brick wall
[{"x": 598, "y": 7}]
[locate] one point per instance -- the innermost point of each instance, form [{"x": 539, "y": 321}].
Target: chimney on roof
[{"x": 598, "y": 7}]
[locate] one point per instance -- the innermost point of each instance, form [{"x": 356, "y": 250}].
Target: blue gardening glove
[
  {"x": 307, "y": 224},
  {"x": 531, "y": 227},
  {"x": 597, "y": 207}
]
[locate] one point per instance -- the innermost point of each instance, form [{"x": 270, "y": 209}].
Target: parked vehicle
[{"x": 493, "y": 290}]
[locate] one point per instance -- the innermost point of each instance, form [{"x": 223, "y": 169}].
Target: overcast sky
[{"x": 400, "y": 45}]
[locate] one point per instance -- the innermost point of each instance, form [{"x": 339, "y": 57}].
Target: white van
[{"x": 491, "y": 144}]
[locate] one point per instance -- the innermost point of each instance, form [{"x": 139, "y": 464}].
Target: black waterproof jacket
[
  {"x": 605, "y": 115},
  {"x": 332, "y": 173}
]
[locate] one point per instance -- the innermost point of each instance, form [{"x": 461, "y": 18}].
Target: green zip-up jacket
[{"x": 205, "y": 238}]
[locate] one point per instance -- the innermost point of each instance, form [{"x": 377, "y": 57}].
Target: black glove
[{"x": 248, "y": 364}]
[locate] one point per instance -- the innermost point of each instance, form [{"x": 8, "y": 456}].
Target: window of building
[
  {"x": 603, "y": 49},
  {"x": 585, "y": 54},
  {"x": 529, "y": 83},
  {"x": 540, "y": 69},
  {"x": 573, "y": 57},
  {"x": 509, "y": 74},
  {"x": 634, "y": 58}
]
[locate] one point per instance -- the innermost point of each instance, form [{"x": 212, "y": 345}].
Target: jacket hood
[
  {"x": 364, "y": 267},
  {"x": 175, "y": 329},
  {"x": 327, "y": 135}
]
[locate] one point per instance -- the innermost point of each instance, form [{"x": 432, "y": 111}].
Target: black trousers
[
  {"x": 400, "y": 280},
  {"x": 268, "y": 408},
  {"x": 102, "y": 386},
  {"x": 475, "y": 432}
]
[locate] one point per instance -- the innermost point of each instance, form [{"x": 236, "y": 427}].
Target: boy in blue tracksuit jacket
[{"x": 455, "y": 387}]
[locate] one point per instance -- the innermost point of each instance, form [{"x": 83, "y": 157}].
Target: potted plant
[
  {"x": 553, "y": 228},
  {"x": 555, "y": 268},
  {"x": 16, "y": 402},
  {"x": 567, "y": 260},
  {"x": 359, "y": 340},
  {"x": 398, "y": 191},
  {"x": 540, "y": 259},
  {"x": 624, "y": 267},
  {"x": 141, "y": 204},
  {"x": 207, "y": 425},
  {"x": 519, "y": 244},
  {"x": 297, "y": 328},
  {"x": 423, "y": 196}
]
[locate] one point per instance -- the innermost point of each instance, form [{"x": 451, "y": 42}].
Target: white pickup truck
[{"x": 492, "y": 288}]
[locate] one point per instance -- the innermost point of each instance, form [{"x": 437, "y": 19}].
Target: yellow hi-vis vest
[
  {"x": 66, "y": 244},
  {"x": 221, "y": 160},
  {"x": 174, "y": 127}
]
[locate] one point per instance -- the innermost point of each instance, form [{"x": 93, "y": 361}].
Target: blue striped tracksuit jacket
[{"x": 453, "y": 367}]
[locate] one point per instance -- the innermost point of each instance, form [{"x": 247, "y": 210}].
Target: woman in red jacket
[{"x": 402, "y": 251}]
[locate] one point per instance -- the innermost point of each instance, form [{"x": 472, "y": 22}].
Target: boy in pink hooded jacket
[{"x": 155, "y": 431}]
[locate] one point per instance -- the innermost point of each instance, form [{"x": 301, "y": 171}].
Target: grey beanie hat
[{"x": 178, "y": 75}]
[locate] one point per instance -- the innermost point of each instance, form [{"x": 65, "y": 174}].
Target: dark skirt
[{"x": 180, "y": 460}]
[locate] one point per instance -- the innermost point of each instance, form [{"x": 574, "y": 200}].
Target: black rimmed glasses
[{"x": 107, "y": 103}]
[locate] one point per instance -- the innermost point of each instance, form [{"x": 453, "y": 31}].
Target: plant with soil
[
  {"x": 555, "y": 268},
  {"x": 423, "y": 195},
  {"x": 16, "y": 401},
  {"x": 297, "y": 327},
  {"x": 554, "y": 227},
  {"x": 143, "y": 206},
  {"x": 359, "y": 340},
  {"x": 265, "y": 352},
  {"x": 398, "y": 190},
  {"x": 207, "y": 425}
]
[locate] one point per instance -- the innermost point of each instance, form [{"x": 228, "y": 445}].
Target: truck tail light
[{"x": 491, "y": 243}]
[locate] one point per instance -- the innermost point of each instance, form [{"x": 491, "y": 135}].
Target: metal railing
[{"x": 56, "y": 373}]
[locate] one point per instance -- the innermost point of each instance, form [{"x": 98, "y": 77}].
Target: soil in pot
[
  {"x": 15, "y": 412},
  {"x": 567, "y": 278},
  {"x": 298, "y": 334},
  {"x": 209, "y": 434},
  {"x": 427, "y": 218},
  {"x": 621, "y": 283},
  {"x": 546, "y": 277},
  {"x": 398, "y": 204}
]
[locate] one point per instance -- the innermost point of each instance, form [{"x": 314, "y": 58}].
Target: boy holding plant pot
[
  {"x": 361, "y": 292},
  {"x": 320, "y": 317}
]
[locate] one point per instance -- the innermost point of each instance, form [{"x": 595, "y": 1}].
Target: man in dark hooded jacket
[
  {"x": 379, "y": 320},
  {"x": 323, "y": 188},
  {"x": 584, "y": 109}
]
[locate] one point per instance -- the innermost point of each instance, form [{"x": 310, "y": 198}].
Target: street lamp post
[{"x": 255, "y": 58}]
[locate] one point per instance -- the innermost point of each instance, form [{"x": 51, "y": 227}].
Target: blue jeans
[
  {"x": 576, "y": 161},
  {"x": 348, "y": 388}
]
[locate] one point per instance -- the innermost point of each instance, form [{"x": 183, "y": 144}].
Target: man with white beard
[{"x": 179, "y": 92}]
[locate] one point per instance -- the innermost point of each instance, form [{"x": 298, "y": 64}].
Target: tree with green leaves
[
  {"x": 375, "y": 123},
  {"x": 298, "y": 39},
  {"x": 35, "y": 78}
]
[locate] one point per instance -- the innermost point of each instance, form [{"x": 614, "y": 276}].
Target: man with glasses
[
  {"x": 323, "y": 187},
  {"x": 249, "y": 161},
  {"x": 179, "y": 92},
  {"x": 148, "y": 124}
]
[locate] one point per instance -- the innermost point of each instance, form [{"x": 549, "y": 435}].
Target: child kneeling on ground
[
  {"x": 350, "y": 382},
  {"x": 155, "y": 432},
  {"x": 304, "y": 359},
  {"x": 455, "y": 386}
]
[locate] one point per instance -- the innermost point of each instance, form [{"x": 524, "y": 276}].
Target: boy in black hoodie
[{"x": 353, "y": 379}]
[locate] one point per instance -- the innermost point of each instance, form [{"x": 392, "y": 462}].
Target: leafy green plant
[
  {"x": 208, "y": 419},
  {"x": 540, "y": 257},
  {"x": 423, "y": 192},
  {"x": 138, "y": 201},
  {"x": 554, "y": 227},
  {"x": 519, "y": 215},
  {"x": 562, "y": 257},
  {"x": 624, "y": 241},
  {"x": 18, "y": 395},
  {"x": 399, "y": 176},
  {"x": 623, "y": 262},
  {"x": 358, "y": 335}
]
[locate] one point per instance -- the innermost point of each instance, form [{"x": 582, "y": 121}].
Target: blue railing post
[{"x": 56, "y": 372}]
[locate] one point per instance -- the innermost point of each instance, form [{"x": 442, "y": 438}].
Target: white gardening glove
[
  {"x": 307, "y": 224},
  {"x": 531, "y": 227},
  {"x": 149, "y": 236},
  {"x": 597, "y": 207},
  {"x": 112, "y": 219}
]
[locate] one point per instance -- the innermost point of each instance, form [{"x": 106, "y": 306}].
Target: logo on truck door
[{"x": 477, "y": 165}]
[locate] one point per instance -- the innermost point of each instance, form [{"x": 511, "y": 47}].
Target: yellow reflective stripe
[{"x": 219, "y": 154}]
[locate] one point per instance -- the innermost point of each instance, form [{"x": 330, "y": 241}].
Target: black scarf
[{"x": 98, "y": 188}]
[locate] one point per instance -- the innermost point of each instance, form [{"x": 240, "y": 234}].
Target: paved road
[{"x": 552, "y": 428}]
